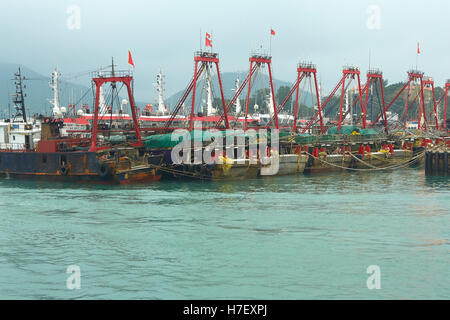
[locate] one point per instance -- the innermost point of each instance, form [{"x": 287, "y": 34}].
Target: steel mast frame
[
  {"x": 445, "y": 97},
  {"x": 303, "y": 70},
  {"x": 100, "y": 79},
  {"x": 204, "y": 58},
  {"x": 412, "y": 75},
  {"x": 260, "y": 60},
  {"x": 348, "y": 72},
  {"x": 428, "y": 81},
  {"x": 374, "y": 76}
]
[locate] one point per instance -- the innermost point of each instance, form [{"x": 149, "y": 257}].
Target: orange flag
[
  {"x": 418, "y": 48},
  {"x": 130, "y": 58}
]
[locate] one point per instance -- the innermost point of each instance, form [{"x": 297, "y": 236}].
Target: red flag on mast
[
  {"x": 208, "y": 42},
  {"x": 418, "y": 48},
  {"x": 272, "y": 32},
  {"x": 130, "y": 58}
]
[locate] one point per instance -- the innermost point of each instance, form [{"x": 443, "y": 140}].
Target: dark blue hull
[{"x": 80, "y": 165}]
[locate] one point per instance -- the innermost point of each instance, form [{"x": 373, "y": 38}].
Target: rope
[
  {"x": 186, "y": 174},
  {"x": 379, "y": 158},
  {"x": 179, "y": 172},
  {"x": 360, "y": 160},
  {"x": 406, "y": 163}
]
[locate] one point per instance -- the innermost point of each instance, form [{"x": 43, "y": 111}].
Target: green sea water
[{"x": 295, "y": 237}]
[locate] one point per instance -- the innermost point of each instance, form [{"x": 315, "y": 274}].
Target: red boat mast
[{"x": 99, "y": 79}]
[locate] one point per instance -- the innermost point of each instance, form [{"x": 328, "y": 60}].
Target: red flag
[
  {"x": 130, "y": 58},
  {"x": 418, "y": 48},
  {"x": 208, "y": 42},
  {"x": 272, "y": 32}
]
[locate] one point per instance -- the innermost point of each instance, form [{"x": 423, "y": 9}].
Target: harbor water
[{"x": 294, "y": 237}]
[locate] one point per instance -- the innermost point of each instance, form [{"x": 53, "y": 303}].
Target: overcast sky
[{"x": 165, "y": 34}]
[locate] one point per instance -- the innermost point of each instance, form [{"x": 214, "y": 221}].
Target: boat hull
[
  {"x": 57, "y": 164},
  {"x": 137, "y": 175},
  {"x": 78, "y": 166},
  {"x": 384, "y": 159},
  {"x": 235, "y": 170},
  {"x": 288, "y": 164},
  {"x": 328, "y": 164}
]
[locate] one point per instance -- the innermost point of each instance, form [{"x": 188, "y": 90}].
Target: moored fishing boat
[
  {"x": 284, "y": 164},
  {"x": 384, "y": 158},
  {"x": 191, "y": 163},
  {"x": 235, "y": 169},
  {"x": 326, "y": 163},
  {"x": 52, "y": 156}
]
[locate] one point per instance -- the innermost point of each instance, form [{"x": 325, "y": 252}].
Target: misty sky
[{"x": 165, "y": 34}]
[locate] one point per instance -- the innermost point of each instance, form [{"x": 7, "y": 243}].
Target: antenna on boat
[
  {"x": 9, "y": 106},
  {"x": 113, "y": 89},
  {"x": 19, "y": 101},
  {"x": 54, "y": 85},
  {"x": 159, "y": 86},
  {"x": 200, "y": 39},
  {"x": 238, "y": 101}
]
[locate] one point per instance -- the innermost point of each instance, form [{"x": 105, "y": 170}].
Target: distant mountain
[
  {"x": 228, "y": 83},
  {"x": 37, "y": 91}
]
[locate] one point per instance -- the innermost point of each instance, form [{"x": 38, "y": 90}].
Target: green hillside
[
  {"x": 398, "y": 107},
  {"x": 260, "y": 88}
]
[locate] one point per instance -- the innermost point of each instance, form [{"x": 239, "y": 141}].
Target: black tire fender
[
  {"x": 64, "y": 169},
  {"x": 104, "y": 170}
]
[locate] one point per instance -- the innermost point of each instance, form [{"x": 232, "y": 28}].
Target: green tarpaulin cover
[
  {"x": 170, "y": 140},
  {"x": 344, "y": 130}
]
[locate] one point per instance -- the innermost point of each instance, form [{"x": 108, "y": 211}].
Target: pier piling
[{"x": 436, "y": 162}]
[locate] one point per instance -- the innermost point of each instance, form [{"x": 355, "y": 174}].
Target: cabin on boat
[{"x": 19, "y": 135}]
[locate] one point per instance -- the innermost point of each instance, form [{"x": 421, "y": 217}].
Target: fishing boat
[
  {"x": 386, "y": 157},
  {"x": 235, "y": 169},
  {"x": 38, "y": 149},
  {"x": 225, "y": 165},
  {"x": 322, "y": 162}
]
